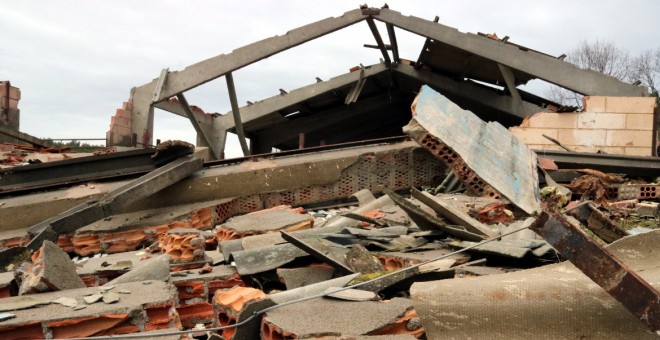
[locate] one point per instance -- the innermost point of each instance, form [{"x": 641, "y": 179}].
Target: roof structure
[{"x": 479, "y": 72}]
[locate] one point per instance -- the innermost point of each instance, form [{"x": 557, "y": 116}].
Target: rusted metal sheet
[
  {"x": 597, "y": 222},
  {"x": 621, "y": 282}
]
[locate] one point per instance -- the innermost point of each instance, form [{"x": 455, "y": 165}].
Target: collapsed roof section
[{"x": 369, "y": 102}]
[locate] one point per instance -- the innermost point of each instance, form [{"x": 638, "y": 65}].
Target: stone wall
[{"x": 614, "y": 125}]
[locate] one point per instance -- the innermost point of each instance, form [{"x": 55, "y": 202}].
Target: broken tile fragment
[
  {"x": 110, "y": 297},
  {"x": 66, "y": 301},
  {"x": 51, "y": 270},
  {"x": 93, "y": 298},
  {"x": 227, "y": 305},
  {"x": 184, "y": 245}
]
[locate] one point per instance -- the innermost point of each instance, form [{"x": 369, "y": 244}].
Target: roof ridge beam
[{"x": 550, "y": 69}]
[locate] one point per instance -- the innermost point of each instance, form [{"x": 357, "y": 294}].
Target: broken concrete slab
[
  {"x": 156, "y": 269},
  {"x": 113, "y": 202},
  {"x": 259, "y": 260},
  {"x": 487, "y": 158},
  {"x": 427, "y": 221},
  {"x": 310, "y": 290},
  {"x": 453, "y": 214},
  {"x": 139, "y": 313},
  {"x": 604, "y": 268},
  {"x": 22, "y": 302},
  {"x": 360, "y": 260},
  {"x": 340, "y": 318},
  {"x": 281, "y": 218},
  {"x": 557, "y": 301},
  {"x": 299, "y": 277},
  {"x": 51, "y": 270},
  {"x": 322, "y": 250},
  {"x": 350, "y": 294}
]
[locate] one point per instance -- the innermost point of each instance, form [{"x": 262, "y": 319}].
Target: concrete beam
[
  {"x": 470, "y": 91},
  {"x": 289, "y": 130},
  {"x": 206, "y": 122},
  {"x": 279, "y": 102},
  {"x": 545, "y": 67},
  {"x": 212, "y": 68}
]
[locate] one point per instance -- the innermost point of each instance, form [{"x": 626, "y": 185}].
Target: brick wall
[
  {"x": 614, "y": 125},
  {"x": 120, "y": 127},
  {"x": 9, "y": 112}
]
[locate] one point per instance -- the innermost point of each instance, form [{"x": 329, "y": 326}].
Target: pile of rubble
[{"x": 400, "y": 253}]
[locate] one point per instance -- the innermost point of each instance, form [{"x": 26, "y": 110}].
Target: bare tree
[
  {"x": 646, "y": 69},
  {"x": 600, "y": 56}
]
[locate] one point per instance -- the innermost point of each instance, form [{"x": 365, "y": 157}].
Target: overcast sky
[{"x": 76, "y": 61}]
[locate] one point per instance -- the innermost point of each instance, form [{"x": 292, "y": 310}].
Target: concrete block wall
[
  {"x": 614, "y": 125},
  {"x": 9, "y": 112},
  {"x": 120, "y": 127}
]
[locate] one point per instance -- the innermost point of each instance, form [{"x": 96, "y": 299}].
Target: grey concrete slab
[
  {"x": 299, "y": 277},
  {"x": 265, "y": 221},
  {"x": 324, "y": 316},
  {"x": 154, "y": 269},
  {"x": 551, "y": 302},
  {"x": 140, "y": 295}
]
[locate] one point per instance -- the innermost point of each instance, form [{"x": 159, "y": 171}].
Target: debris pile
[
  {"x": 411, "y": 263},
  {"x": 457, "y": 230}
]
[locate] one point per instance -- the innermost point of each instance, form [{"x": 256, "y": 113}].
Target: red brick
[{"x": 128, "y": 106}]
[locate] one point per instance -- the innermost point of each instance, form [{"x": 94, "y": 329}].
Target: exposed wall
[
  {"x": 614, "y": 125},
  {"x": 120, "y": 127},
  {"x": 9, "y": 112}
]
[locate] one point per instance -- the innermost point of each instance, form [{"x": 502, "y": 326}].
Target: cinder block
[
  {"x": 610, "y": 121},
  {"x": 594, "y": 103},
  {"x": 534, "y": 135},
  {"x": 630, "y": 104},
  {"x": 581, "y": 137},
  {"x": 638, "y": 151},
  {"x": 639, "y": 121},
  {"x": 553, "y": 120},
  {"x": 629, "y": 138}
]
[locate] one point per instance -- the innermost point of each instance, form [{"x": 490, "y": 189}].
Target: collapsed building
[{"x": 408, "y": 199}]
